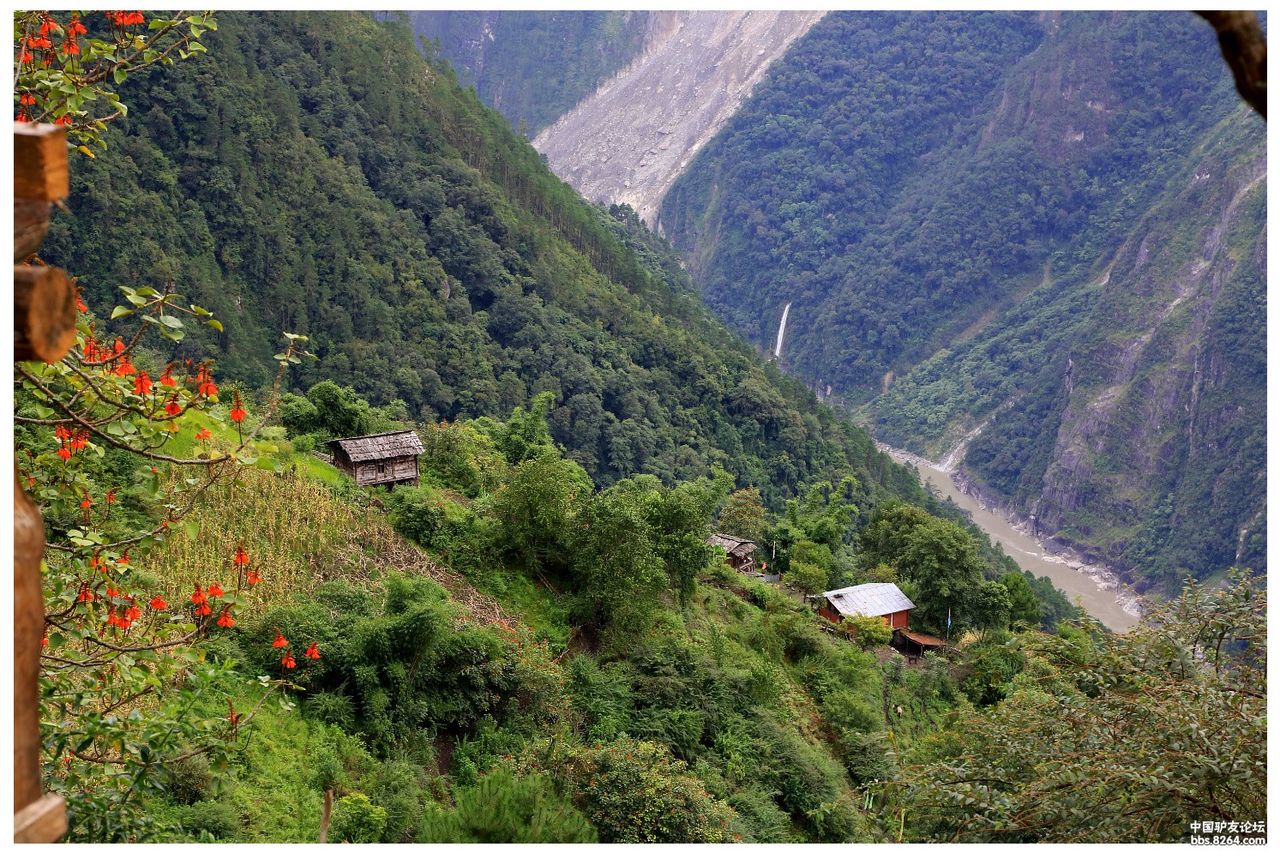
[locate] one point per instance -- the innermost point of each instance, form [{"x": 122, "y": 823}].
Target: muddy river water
[{"x": 1092, "y": 587}]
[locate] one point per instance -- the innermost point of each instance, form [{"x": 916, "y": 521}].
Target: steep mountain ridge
[
  {"x": 534, "y": 66},
  {"x": 943, "y": 201},
  {"x": 313, "y": 173},
  {"x": 629, "y": 140}
]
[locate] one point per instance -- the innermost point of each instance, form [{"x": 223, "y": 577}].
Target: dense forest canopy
[
  {"x": 959, "y": 209},
  {"x": 348, "y": 189}
]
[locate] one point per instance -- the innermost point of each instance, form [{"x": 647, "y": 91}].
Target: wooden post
[{"x": 44, "y": 329}]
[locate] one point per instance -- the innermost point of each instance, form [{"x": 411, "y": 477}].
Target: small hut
[
  {"x": 877, "y": 599},
  {"x": 914, "y": 645},
  {"x": 740, "y": 554},
  {"x": 382, "y": 459}
]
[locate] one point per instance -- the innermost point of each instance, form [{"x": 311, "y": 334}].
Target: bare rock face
[{"x": 630, "y": 139}]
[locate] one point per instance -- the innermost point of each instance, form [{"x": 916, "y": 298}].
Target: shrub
[
  {"x": 218, "y": 819},
  {"x": 504, "y": 809},
  {"x": 356, "y": 820},
  {"x": 809, "y": 783},
  {"x": 869, "y": 632},
  {"x": 760, "y": 818},
  {"x": 866, "y": 756},
  {"x": 189, "y": 780},
  {"x": 636, "y": 792}
]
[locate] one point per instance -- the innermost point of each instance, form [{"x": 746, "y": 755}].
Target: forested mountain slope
[
  {"x": 534, "y": 66},
  {"x": 948, "y": 193},
  {"x": 315, "y": 174}
]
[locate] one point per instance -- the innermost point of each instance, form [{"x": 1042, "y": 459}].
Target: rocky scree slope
[{"x": 629, "y": 140}]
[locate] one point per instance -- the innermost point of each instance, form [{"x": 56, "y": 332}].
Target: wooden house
[
  {"x": 878, "y": 599},
  {"x": 740, "y": 554},
  {"x": 914, "y": 645},
  {"x": 383, "y": 459}
]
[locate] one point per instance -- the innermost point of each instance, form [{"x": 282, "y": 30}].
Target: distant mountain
[
  {"x": 533, "y": 66},
  {"x": 942, "y": 198}
]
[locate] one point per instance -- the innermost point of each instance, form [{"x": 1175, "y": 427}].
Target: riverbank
[{"x": 1098, "y": 590}]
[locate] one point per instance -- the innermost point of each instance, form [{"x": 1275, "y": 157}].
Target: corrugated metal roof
[
  {"x": 736, "y": 546},
  {"x": 870, "y": 600},
  {"x": 385, "y": 445}
]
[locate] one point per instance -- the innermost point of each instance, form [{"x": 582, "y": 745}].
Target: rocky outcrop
[{"x": 628, "y": 141}]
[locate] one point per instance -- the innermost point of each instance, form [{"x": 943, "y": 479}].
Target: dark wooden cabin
[
  {"x": 377, "y": 460},
  {"x": 740, "y": 553},
  {"x": 877, "y": 599}
]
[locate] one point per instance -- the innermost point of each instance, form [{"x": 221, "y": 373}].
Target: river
[{"x": 1092, "y": 587}]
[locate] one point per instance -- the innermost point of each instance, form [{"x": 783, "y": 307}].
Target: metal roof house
[
  {"x": 877, "y": 599},
  {"x": 382, "y": 459}
]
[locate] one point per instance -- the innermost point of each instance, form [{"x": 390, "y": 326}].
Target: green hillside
[
  {"x": 347, "y": 189},
  {"x": 942, "y": 198}
]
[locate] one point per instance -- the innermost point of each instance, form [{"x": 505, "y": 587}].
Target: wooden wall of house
[{"x": 403, "y": 468}]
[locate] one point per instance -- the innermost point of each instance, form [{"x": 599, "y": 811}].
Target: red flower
[
  {"x": 238, "y": 414},
  {"x": 80, "y": 305},
  {"x": 203, "y": 434},
  {"x": 241, "y": 558},
  {"x": 61, "y": 431},
  {"x": 158, "y": 603},
  {"x": 142, "y": 384},
  {"x": 75, "y": 28},
  {"x": 79, "y": 439},
  {"x": 312, "y": 651},
  {"x": 111, "y": 498},
  {"x": 27, "y": 99},
  {"x": 71, "y": 48},
  {"x": 215, "y": 590},
  {"x": 280, "y": 641},
  {"x": 64, "y": 453},
  {"x": 86, "y": 502},
  {"x": 47, "y": 25},
  {"x": 166, "y": 378},
  {"x": 206, "y": 386},
  {"x": 198, "y": 597},
  {"x": 22, "y": 116},
  {"x": 123, "y": 560},
  {"x": 172, "y": 408},
  {"x": 287, "y": 660},
  {"x": 254, "y": 576},
  {"x": 65, "y": 119},
  {"x": 225, "y": 619},
  {"x": 203, "y": 610},
  {"x": 132, "y": 613},
  {"x": 112, "y": 592},
  {"x": 85, "y": 594}
]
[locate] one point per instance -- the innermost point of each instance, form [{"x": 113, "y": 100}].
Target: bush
[
  {"x": 760, "y": 818},
  {"x": 636, "y": 792},
  {"x": 356, "y": 820},
  {"x": 189, "y": 780},
  {"x": 218, "y": 819},
  {"x": 504, "y": 809},
  {"x": 809, "y": 783},
  {"x": 866, "y": 756},
  {"x": 869, "y": 632}
]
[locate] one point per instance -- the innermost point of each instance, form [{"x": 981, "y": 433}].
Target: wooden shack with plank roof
[{"x": 382, "y": 459}]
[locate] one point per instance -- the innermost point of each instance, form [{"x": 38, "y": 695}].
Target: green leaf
[
  {"x": 119, "y": 75},
  {"x": 120, "y": 311}
]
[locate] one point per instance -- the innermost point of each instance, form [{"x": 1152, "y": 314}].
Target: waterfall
[{"x": 782, "y": 329}]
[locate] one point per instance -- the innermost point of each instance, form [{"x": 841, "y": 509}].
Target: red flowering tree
[
  {"x": 68, "y": 64},
  {"x": 116, "y": 443}
]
